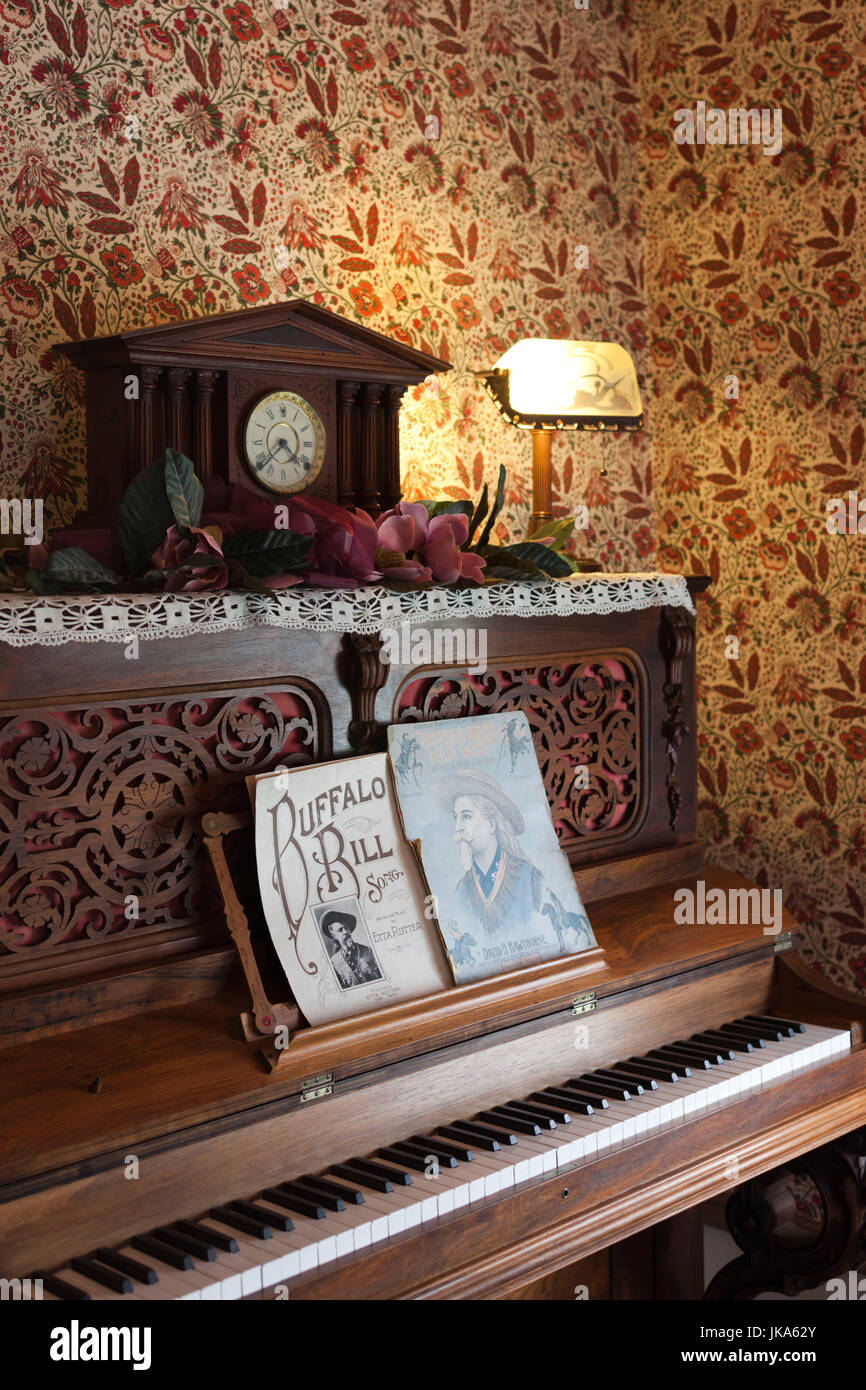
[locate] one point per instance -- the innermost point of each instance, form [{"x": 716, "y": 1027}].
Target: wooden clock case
[{"x": 192, "y": 385}]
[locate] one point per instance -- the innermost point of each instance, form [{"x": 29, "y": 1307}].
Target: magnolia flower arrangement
[{"x": 177, "y": 535}]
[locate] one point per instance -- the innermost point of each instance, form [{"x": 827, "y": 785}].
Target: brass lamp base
[
  {"x": 542, "y": 494},
  {"x": 541, "y": 481}
]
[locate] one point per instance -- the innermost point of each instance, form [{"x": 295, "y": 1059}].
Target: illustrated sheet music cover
[
  {"x": 471, "y": 792},
  {"x": 341, "y": 890}
]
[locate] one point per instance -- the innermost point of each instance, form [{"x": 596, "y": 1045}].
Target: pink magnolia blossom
[
  {"x": 176, "y": 552},
  {"x": 430, "y": 544},
  {"x": 404, "y": 528}
]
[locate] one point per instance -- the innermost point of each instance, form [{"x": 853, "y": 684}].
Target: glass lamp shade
[{"x": 545, "y": 383}]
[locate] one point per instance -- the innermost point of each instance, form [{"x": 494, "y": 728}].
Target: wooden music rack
[{"x": 384, "y": 1035}]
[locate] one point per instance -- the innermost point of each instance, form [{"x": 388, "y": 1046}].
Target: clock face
[{"x": 284, "y": 442}]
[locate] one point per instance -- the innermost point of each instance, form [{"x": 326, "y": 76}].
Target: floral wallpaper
[
  {"x": 433, "y": 169},
  {"x": 429, "y": 169},
  {"x": 755, "y": 269}
]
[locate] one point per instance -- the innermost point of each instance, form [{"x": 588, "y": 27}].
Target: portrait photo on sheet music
[
  {"x": 475, "y": 800},
  {"x": 347, "y": 943}
]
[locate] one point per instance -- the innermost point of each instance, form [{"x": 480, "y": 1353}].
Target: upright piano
[{"x": 550, "y": 1131}]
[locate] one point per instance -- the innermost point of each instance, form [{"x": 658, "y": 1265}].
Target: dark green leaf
[
  {"x": 263, "y": 553},
  {"x": 481, "y": 509},
  {"x": 183, "y": 489},
  {"x": 240, "y": 579},
  {"x": 36, "y": 580},
  {"x": 495, "y": 509},
  {"x": 74, "y": 568},
  {"x": 144, "y": 516},
  {"x": 560, "y": 528},
  {"x": 503, "y": 563},
  {"x": 543, "y": 557},
  {"x": 462, "y": 507}
]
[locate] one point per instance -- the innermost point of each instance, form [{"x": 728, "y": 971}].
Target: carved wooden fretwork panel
[
  {"x": 101, "y": 805},
  {"x": 581, "y": 711}
]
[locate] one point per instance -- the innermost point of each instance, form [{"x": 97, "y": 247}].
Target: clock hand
[{"x": 283, "y": 445}]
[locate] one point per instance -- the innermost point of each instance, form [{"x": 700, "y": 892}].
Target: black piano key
[
  {"x": 479, "y": 1141},
  {"x": 726, "y": 1039},
  {"x": 292, "y": 1198},
  {"x": 578, "y": 1101},
  {"x": 143, "y": 1274},
  {"x": 557, "y": 1107},
  {"x": 504, "y": 1115},
  {"x": 316, "y": 1194},
  {"x": 662, "y": 1068},
  {"x": 458, "y": 1149},
  {"x": 191, "y": 1245},
  {"x": 370, "y": 1175},
  {"x": 269, "y": 1218},
  {"x": 720, "y": 1053},
  {"x": 403, "y": 1159},
  {"x": 346, "y": 1193},
  {"x": 259, "y": 1229},
  {"x": 60, "y": 1288},
  {"x": 207, "y": 1234},
  {"x": 426, "y": 1148},
  {"x": 782, "y": 1022},
  {"x": 770, "y": 1032},
  {"x": 294, "y": 1201},
  {"x": 369, "y": 1165},
  {"x": 472, "y": 1129},
  {"x": 101, "y": 1274},
  {"x": 733, "y": 1030},
  {"x": 624, "y": 1072},
  {"x": 563, "y": 1089},
  {"x": 158, "y": 1250},
  {"x": 694, "y": 1056},
  {"x": 542, "y": 1115},
  {"x": 593, "y": 1085}
]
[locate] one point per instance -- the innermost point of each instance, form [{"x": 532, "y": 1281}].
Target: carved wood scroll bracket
[
  {"x": 800, "y": 1225},
  {"x": 677, "y": 642},
  {"x": 367, "y": 674}
]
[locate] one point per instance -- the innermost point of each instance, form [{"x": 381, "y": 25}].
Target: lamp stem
[{"x": 541, "y": 480}]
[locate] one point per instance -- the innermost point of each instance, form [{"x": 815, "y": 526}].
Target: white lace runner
[{"x": 28, "y": 621}]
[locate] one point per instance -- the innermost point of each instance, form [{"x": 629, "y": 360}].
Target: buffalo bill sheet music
[
  {"x": 341, "y": 890},
  {"x": 471, "y": 791}
]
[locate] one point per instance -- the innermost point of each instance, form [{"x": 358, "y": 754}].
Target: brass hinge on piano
[
  {"x": 317, "y": 1087},
  {"x": 584, "y": 1003}
]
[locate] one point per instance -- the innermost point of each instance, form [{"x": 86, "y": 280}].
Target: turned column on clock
[
  {"x": 370, "y": 431},
  {"x": 175, "y": 421},
  {"x": 347, "y": 432},
  {"x": 202, "y": 427},
  {"x": 148, "y": 378},
  {"x": 390, "y": 481}
]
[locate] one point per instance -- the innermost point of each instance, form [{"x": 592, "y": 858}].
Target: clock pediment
[{"x": 293, "y": 332}]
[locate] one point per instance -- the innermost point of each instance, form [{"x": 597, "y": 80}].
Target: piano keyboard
[{"x": 275, "y": 1235}]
